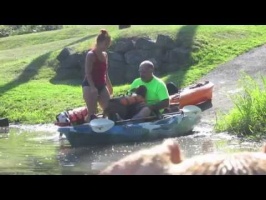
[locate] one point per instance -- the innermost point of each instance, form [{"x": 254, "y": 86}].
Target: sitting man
[
  {"x": 157, "y": 97},
  {"x": 120, "y": 108}
]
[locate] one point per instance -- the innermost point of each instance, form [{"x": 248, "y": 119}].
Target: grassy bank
[
  {"x": 247, "y": 118},
  {"x": 28, "y": 63}
]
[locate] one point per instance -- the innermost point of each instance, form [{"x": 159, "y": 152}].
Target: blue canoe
[{"x": 171, "y": 125}]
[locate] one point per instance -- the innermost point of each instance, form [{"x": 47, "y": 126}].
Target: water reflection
[
  {"x": 42, "y": 152},
  {"x": 19, "y": 154},
  {"x": 89, "y": 160}
]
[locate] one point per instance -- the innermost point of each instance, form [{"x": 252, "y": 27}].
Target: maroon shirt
[{"x": 99, "y": 71}]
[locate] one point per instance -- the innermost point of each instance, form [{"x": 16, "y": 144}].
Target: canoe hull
[
  {"x": 194, "y": 96},
  {"x": 174, "y": 126}
]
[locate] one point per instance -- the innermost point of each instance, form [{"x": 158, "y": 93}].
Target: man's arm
[
  {"x": 164, "y": 100},
  {"x": 160, "y": 105}
]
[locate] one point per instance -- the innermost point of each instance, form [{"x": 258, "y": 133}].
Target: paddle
[
  {"x": 140, "y": 119},
  {"x": 188, "y": 110},
  {"x": 191, "y": 110},
  {"x": 100, "y": 125}
]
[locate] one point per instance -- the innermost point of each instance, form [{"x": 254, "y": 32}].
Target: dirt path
[{"x": 226, "y": 76}]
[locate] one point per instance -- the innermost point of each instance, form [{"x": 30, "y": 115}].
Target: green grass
[
  {"x": 248, "y": 117},
  {"x": 28, "y": 63},
  {"x": 27, "y": 40}
]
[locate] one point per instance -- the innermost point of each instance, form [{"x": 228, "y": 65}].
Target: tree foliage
[{"x": 7, "y": 30}]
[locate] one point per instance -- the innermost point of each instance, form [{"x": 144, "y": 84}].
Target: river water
[{"x": 38, "y": 150}]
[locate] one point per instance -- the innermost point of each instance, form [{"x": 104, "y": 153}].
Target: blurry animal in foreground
[
  {"x": 153, "y": 160},
  {"x": 166, "y": 159},
  {"x": 122, "y": 105}
]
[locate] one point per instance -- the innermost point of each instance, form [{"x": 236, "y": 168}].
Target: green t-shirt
[{"x": 156, "y": 90}]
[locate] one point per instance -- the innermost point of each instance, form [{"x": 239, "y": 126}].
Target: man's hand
[{"x": 175, "y": 98}]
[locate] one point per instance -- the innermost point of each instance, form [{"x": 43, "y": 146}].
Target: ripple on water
[
  {"x": 46, "y": 143},
  {"x": 36, "y": 128}
]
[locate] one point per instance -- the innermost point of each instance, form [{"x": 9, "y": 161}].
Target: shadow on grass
[
  {"x": 72, "y": 75},
  {"x": 82, "y": 39},
  {"x": 27, "y": 74},
  {"x": 32, "y": 69},
  {"x": 185, "y": 40}
]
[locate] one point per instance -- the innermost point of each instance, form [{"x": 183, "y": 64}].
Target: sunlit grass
[
  {"x": 248, "y": 116},
  {"x": 28, "y": 63}
]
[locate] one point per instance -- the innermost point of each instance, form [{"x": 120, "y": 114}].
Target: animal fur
[
  {"x": 149, "y": 161},
  {"x": 63, "y": 117},
  {"x": 166, "y": 159},
  {"x": 114, "y": 106},
  {"x": 121, "y": 105},
  {"x": 244, "y": 163}
]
